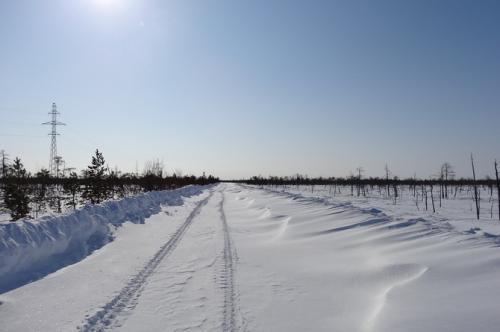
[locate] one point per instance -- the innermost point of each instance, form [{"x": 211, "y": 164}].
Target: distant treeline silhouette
[
  {"x": 444, "y": 182},
  {"x": 23, "y": 193},
  {"x": 370, "y": 181}
]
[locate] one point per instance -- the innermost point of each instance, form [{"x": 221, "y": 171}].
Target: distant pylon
[{"x": 53, "y": 163}]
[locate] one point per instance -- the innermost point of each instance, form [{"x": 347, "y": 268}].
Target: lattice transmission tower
[{"x": 54, "y": 158}]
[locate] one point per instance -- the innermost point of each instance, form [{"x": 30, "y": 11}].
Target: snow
[
  {"x": 4, "y": 216},
  {"x": 29, "y": 249},
  {"x": 364, "y": 268},
  {"x": 241, "y": 258}
]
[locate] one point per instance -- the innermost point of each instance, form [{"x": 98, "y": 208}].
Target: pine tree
[
  {"x": 95, "y": 176},
  {"x": 17, "y": 169},
  {"x": 16, "y": 201},
  {"x": 16, "y": 196}
]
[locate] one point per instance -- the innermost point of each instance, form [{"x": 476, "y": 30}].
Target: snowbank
[{"x": 30, "y": 249}]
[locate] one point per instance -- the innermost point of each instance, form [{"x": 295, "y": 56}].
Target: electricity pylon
[{"x": 54, "y": 158}]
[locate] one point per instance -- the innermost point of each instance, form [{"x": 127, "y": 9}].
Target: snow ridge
[
  {"x": 397, "y": 275},
  {"x": 31, "y": 249},
  {"x": 106, "y": 318},
  {"x": 379, "y": 217}
]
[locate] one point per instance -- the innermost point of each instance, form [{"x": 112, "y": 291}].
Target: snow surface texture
[
  {"x": 129, "y": 294},
  {"x": 237, "y": 258},
  {"x": 31, "y": 249}
]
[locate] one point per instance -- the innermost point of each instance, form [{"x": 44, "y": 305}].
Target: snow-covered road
[{"x": 236, "y": 258}]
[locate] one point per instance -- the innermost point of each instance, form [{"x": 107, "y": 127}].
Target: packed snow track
[
  {"x": 240, "y": 258},
  {"x": 127, "y": 297},
  {"x": 229, "y": 323}
]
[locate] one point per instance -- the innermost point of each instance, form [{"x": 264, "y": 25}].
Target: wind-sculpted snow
[
  {"x": 248, "y": 259},
  {"x": 30, "y": 249}
]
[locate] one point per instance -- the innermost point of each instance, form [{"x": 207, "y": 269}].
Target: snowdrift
[{"x": 30, "y": 249}]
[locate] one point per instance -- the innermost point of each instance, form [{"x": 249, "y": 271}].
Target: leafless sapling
[
  {"x": 498, "y": 188},
  {"x": 360, "y": 171},
  {"x": 432, "y": 199},
  {"x": 424, "y": 192},
  {"x": 395, "y": 186},
  {"x": 387, "y": 172},
  {"x": 476, "y": 194},
  {"x": 4, "y": 163},
  {"x": 447, "y": 173}
]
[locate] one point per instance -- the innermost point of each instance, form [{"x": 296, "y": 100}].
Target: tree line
[
  {"x": 431, "y": 190},
  {"x": 23, "y": 194}
]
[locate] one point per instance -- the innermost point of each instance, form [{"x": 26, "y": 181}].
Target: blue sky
[{"x": 237, "y": 88}]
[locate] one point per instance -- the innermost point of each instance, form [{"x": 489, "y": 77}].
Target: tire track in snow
[
  {"x": 229, "y": 255},
  {"x": 106, "y": 318}
]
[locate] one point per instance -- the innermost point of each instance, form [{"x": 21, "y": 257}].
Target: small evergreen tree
[
  {"x": 17, "y": 169},
  {"x": 16, "y": 200},
  {"x": 95, "y": 176},
  {"x": 16, "y": 195}
]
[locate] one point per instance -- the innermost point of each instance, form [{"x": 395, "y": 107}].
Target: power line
[{"x": 20, "y": 135}]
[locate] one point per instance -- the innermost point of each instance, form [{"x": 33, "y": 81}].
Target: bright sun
[{"x": 106, "y": 3}]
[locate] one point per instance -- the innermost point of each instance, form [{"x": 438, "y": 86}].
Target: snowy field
[{"x": 241, "y": 258}]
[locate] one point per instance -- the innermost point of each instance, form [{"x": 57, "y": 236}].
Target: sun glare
[{"x": 106, "y": 3}]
